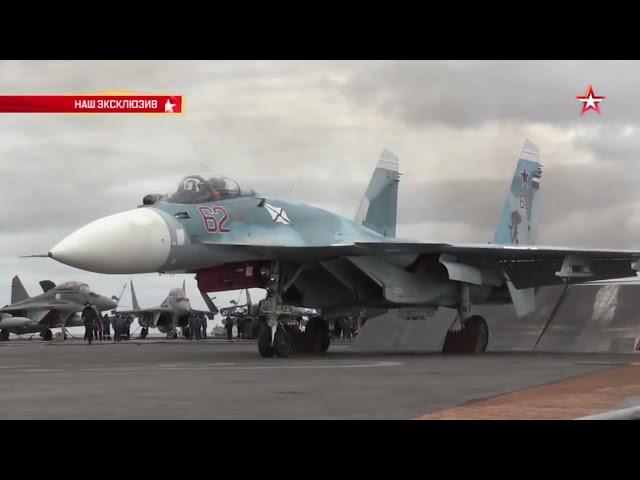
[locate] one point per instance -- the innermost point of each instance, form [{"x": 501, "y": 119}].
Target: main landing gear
[
  {"x": 278, "y": 339},
  {"x": 473, "y": 335},
  {"x": 472, "y": 338}
]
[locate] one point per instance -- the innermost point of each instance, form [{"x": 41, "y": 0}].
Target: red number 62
[{"x": 211, "y": 223}]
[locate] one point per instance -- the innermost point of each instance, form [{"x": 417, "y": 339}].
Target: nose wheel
[{"x": 264, "y": 341}]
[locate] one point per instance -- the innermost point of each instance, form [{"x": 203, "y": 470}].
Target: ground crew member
[
  {"x": 117, "y": 327},
  {"x": 240, "y": 323},
  {"x": 203, "y": 326},
  {"x": 194, "y": 327},
  {"x": 98, "y": 326},
  {"x": 106, "y": 327},
  {"x": 88, "y": 318},
  {"x": 229, "y": 326}
]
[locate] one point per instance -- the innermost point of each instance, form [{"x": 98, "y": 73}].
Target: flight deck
[{"x": 218, "y": 379}]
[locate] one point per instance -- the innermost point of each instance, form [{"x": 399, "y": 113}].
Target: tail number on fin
[
  {"x": 215, "y": 219},
  {"x": 524, "y": 202}
]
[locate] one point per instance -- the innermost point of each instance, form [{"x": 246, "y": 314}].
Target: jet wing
[
  {"x": 147, "y": 310},
  {"x": 204, "y": 312},
  {"x": 290, "y": 252},
  {"x": 59, "y": 305},
  {"x": 526, "y": 266}
]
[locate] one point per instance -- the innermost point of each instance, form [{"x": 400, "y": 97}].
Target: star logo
[
  {"x": 525, "y": 177},
  {"x": 278, "y": 215},
  {"x": 168, "y": 107},
  {"x": 590, "y": 101}
]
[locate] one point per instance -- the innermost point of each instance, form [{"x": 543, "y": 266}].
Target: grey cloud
[
  {"x": 471, "y": 93},
  {"x": 587, "y": 204}
]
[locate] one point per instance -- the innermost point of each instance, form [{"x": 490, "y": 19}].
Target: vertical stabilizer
[
  {"x": 134, "y": 299},
  {"x": 18, "y": 292},
  {"x": 518, "y": 224},
  {"x": 378, "y": 208}
]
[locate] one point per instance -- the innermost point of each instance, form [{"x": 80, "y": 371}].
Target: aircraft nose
[{"x": 135, "y": 241}]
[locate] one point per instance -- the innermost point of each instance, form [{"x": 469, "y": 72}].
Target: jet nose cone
[
  {"x": 135, "y": 241},
  {"x": 111, "y": 304}
]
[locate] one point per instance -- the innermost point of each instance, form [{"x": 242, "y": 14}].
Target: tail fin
[
  {"x": 18, "y": 293},
  {"x": 118, "y": 298},
  {"x": 519, "y": 221},
  {"x": 134, "y": 299},
  {"x": 379, "y": 205}
]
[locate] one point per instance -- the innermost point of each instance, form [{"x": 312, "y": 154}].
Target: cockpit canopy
[
  {"x": 75, "y": 287},
  {"x": 195, "y": 189},
  {"x": 178, "y": 294}
]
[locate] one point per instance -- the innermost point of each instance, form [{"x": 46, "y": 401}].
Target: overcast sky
[{"x": 314, "y": 130}]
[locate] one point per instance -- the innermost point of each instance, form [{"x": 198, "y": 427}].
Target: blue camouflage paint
[{"x": 518, "y": 223}]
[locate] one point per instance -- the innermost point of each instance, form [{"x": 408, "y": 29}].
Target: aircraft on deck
[
  {"x": 58, "y": 306},
  {"x": 233, "y": 238},
  {"x": 174, "y": 311}
]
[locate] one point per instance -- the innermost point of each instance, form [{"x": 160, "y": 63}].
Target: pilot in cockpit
[
  {"x": 218, "y": 187},
  {"x": 192, "y": 189}
]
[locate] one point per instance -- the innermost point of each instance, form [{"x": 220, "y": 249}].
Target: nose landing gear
[{"x": 279, "y": 339}]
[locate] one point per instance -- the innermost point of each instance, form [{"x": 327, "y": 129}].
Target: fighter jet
[
  {"x": 58, "y": 306},
  {"x": 174, "y": 311},
  {"x": 233, "y": 238}
]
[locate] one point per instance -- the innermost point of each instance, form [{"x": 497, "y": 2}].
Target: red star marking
[
  {"x": 590, "y": 101},
  {"x": 525, "y": 177}
]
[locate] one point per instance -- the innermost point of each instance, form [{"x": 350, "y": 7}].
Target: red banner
[{"x": 165, "y": 104}]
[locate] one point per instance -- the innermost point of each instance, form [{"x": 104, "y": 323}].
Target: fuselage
[
  {"x": 169, "y": 237},
  {"x": 201, "y": 237}
]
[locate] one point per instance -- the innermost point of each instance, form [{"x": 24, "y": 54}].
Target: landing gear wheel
[
  {"x": 472, "y": 338},
  {"x": 48, "y": 335},
  {"x": 264, "y": 341},
  {"x": 143, "y": 333},
  {"x": 4, "y": 335},
  {"x": 173, "y": 335},
  {"x": 318, "y": 337},
  {"x": 479, "y": 331},
  {"x": 325, "y": 342},
  {"x": 282, "y": 343},
  {"x": 298, "y": 340}
]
